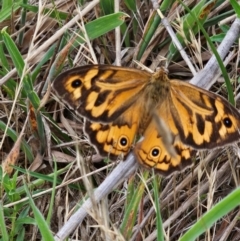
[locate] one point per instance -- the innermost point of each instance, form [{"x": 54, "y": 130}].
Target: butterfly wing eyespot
[
  {"x": 227, "y": 122},
  {"x": 76, "y": 83},
  {"x": 108, "y": 139},
  {"x": 123, "y": 141},
  {"x": 159, "y": 157},
  {"x": 155, "y": 152}
]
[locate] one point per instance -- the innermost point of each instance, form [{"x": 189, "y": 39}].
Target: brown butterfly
[{"x": 120, "y": 104}]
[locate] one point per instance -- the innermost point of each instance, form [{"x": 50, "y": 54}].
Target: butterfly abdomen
[{"x": 155, "y": 93}]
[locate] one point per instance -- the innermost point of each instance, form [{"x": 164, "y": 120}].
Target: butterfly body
[{"x": 173, "y": 117}]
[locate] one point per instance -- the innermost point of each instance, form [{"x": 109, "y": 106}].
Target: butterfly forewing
[
  {"x": 101, "y": 93},
  {"x": 204, "y": 120}
]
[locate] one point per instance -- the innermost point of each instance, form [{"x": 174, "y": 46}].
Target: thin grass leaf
[
  {"x": 42, "y": 178},
  {"x": 51, "y": 204},
  {"x": 40, "y": 220},
  {"x": 26, "y": 220},
  {"x": 129, "y": 218},
  {"x": 3, "y": 58},
  {"x": 219, "y": 60},
  {"x": 152, "y": 25},
  {"x": 224, "y": 207},
  {"x": 131, "y": 5},
  {"x": 107, "y": 6},
  {"x": 8, "y": 8},
  {"x": 13, "y": 51},
  {"x": 3, "y": 228},
  {"x": 189, "y": 25},
  {"x": 150, "y": 29},
  {"x": 217, "y": 18},
  {"x": 236, "y": 7},
  {"x": 160, "y": 230},
  {"x": 100, "y": 26},
  {"x": 47, "y": 56},
  {"x": 23, "y": 23},
  {"x": 53, "y": 13}
]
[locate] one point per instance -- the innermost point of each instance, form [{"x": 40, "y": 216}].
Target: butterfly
[{"x": 174, "y": 118}]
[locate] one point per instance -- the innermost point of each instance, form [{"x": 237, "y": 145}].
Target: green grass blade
[
  {"x": 40, "y": 220},
  {"x": 3, "y": 228},
  {"x": 212, "y": 216},
  {"x": 160, "y": 230},
  {"x": 101, "y": 26},
  {"x": 13, "y": 51},
  {"x": 236, "y": 7},
  {"x": 46, "y": 11},
  {"x": 189, "y": 23},
  {"x": 219, "y": 60},
  {"x": 131, "y": 212},
  {"x": 8, "y": 9}
]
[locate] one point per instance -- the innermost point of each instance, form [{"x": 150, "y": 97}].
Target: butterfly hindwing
[
  {"x": 114, "y": 139},
  {"x": 164, "y": 154}
]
